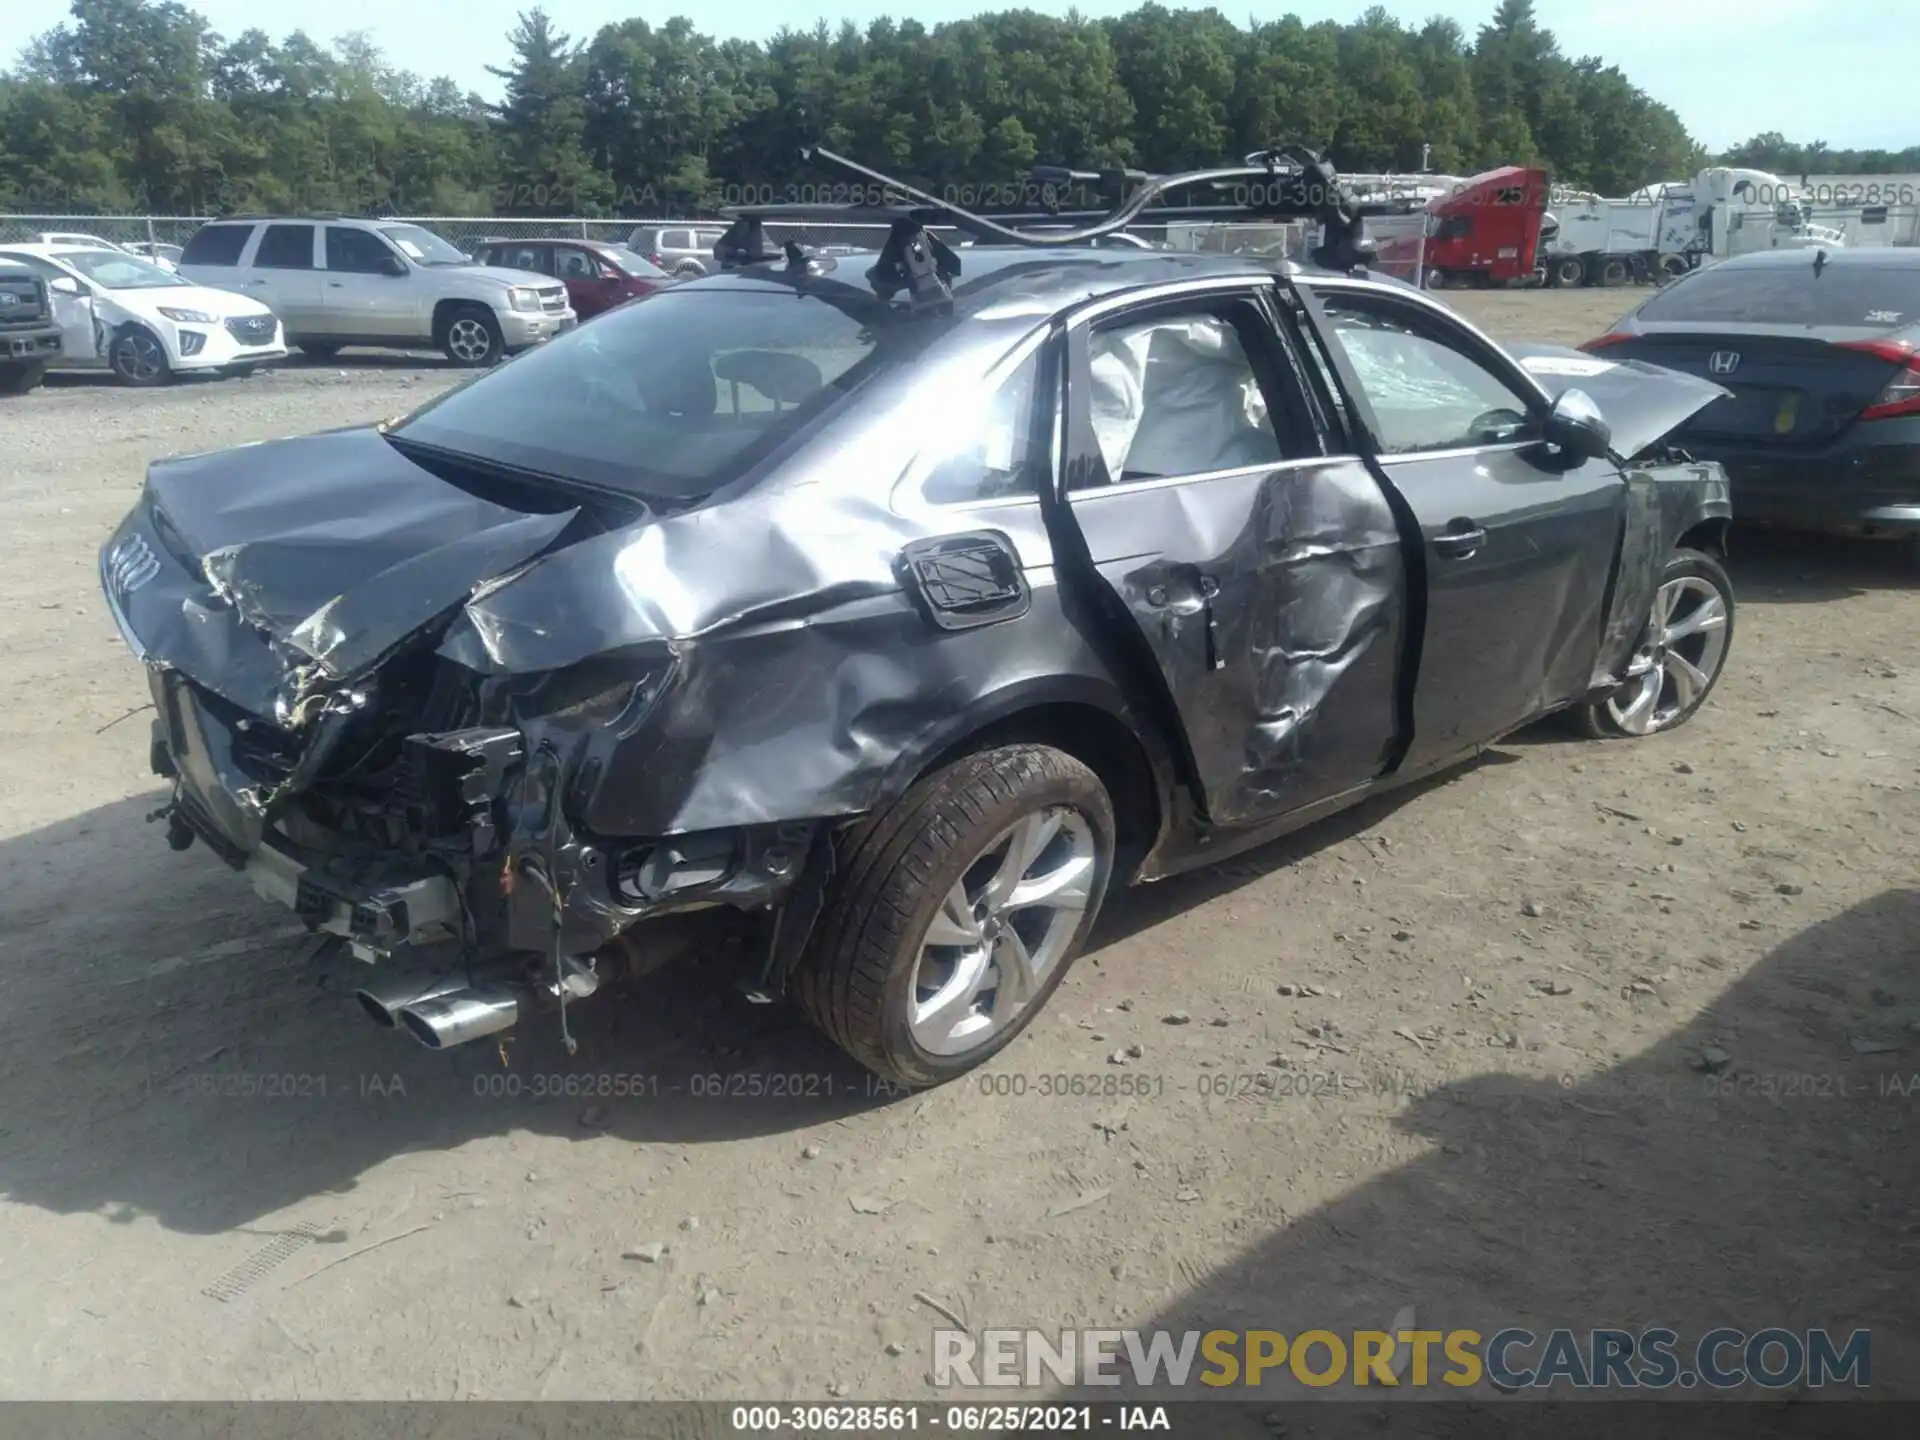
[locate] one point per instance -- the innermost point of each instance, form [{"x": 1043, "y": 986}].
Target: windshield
[
  {"x": 670, "y": 399},
  {"x": 115, "y": 270},
  {"x": 1873, "y": 296},
  {"x": 423, "y": 247},
  {"x": 632, "y": 262}
]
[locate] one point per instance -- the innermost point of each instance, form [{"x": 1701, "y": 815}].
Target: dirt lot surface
[{"x": 1440, "y": 1054}]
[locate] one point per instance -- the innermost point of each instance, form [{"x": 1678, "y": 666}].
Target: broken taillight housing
[{"x": 1902, "y": 393}]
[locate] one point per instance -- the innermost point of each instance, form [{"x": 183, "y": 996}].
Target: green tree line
[{"x": 137, "y": 105}]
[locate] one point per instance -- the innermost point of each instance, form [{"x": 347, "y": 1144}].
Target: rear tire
[
  {"x": 19, "y": 379},
  {"x": 1680, "y": 656},
  {"x": 1434, "y": 279},
  {"x": 470, "y": 336},
  {"x": 1614, "y": 272},
  {"x": 1569, "y": 270},
  {"x": 881, "y": 979}
]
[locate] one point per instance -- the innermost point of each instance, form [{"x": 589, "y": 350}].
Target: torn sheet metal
[
  {"x": 1664, "y": 502},
  {"x": 1666, "y": 496}
]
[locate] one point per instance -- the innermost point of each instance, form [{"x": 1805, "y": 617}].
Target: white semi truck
[{"x": 1666, "y": 230}]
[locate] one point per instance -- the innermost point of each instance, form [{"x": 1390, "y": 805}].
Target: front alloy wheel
[
  {"x": 956, "y": 912},
  {"x": 472, "y": 337},
  {"x": 138, "y": 358},
  {"x": 1680, "y": 655}
]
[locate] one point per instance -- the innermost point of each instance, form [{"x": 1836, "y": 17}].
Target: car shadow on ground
[
  {"x": 1776, "y": 1187},
  {"x": 352, "y": 359},
  {"x": 107, "y": 380},
  {"x": 219, "y": 1071}
]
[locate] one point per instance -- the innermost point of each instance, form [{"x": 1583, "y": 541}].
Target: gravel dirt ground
[{"x": 1441, "y": 1055}]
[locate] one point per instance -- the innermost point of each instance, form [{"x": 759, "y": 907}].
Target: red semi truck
[{"x": 1482, "y": 231}]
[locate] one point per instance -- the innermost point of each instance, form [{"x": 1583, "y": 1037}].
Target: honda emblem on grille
[
  {"x": 1724, "y": 362},
  {"x": 130, "y": 564}
]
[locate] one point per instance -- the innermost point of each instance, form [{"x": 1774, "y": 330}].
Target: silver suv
[
  {"x": 683, "y": 250},
  {"x": 383, "y": 283}
]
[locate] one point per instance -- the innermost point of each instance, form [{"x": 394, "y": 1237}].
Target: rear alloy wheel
[
  {"x": 472, "y": 337},
  {"x": 1571, "y": 270},
  {"x": 1435, "y": 279},
  {"x": 138, "y": 357},
  {"x": 1680, "y": 655},
  {"x": 958, "y": 911}
]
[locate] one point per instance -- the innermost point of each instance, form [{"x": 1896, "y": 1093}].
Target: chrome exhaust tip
[
  {"x": 384, "y": 1002},
  {"x": 440, "y": 1022}
]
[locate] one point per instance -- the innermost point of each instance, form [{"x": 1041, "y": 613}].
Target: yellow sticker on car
[{"x": 1789, "y": 411}]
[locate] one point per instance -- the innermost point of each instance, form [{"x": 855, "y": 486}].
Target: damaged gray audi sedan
[{"x": 910, "y": 623}]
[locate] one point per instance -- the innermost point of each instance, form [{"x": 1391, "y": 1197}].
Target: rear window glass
[
  {"x": 216, "y": 245},
  {"x": 1882, "y": 296},
  {"x": 286, "y": 247},
  {"x": 670, "y": 399}
]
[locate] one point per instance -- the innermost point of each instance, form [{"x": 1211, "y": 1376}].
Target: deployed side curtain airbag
[{"x": 1177, "y": 397}]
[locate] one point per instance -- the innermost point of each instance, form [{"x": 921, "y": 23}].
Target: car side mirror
[
  {"x": 392, "y": 265},
  {"x": 1576, "y": 425},
  {"x": 65, "y": 285}
]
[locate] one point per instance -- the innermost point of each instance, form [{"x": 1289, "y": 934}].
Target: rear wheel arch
[{"x": 1082, "y": 720}]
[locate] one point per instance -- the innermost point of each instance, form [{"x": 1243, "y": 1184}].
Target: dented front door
[
  {"x": 1518, "y": 547},
  {"x": 1257, "y": 582}
]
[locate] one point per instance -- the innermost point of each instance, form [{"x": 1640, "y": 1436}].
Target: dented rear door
[{"x": 1258, "y": 583}]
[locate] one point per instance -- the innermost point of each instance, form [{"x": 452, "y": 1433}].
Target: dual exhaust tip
[{"x": 441, "y": 1013}]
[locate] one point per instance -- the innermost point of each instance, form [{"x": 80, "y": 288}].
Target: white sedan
[{"x": 119, "y": 312}]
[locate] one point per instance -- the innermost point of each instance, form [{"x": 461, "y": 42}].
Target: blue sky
[{"x": 1838, "y": 70}]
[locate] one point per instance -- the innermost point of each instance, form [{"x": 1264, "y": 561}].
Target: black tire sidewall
[{"x": 946, "y": 834}]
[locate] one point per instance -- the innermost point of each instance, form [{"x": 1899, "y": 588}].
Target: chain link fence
[{"x": 466, "y": 232}]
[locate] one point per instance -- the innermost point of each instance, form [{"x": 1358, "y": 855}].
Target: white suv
[{"x": 382, "y": 283}]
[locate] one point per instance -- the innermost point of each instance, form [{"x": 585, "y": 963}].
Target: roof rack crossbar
[{"x": 1280, "y": 183}]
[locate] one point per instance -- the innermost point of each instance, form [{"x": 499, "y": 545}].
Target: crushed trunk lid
[{"x": 306, "y": 561}]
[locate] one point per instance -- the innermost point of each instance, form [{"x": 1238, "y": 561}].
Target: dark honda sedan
[
  {"x": 908, "y": 628},
  {"x": 598, "y": 276},
  {"x": 1820, "y": 351}
]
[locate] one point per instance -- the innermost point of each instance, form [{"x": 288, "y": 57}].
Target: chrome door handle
[{"x": 1460, "y": 540}]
